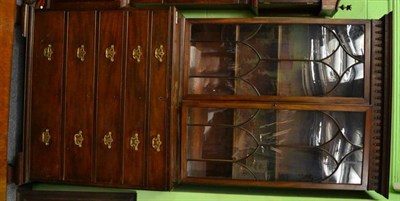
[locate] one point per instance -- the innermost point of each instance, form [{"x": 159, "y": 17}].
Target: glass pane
[
  {"x": 301, "y": 164},
  {"x": 209, "y": 169},
  {"x": 277, "y": 60},
  {"x": 211, "y": 86},
  {"x": 212, "y": 59},
  {"x": 213, "y": 32},
  {"x": 349, "y": 170},
  {"x": 274, "y": 145},
  {"x": 351, "y": 37},
  {"x": 260, "y": 40}
]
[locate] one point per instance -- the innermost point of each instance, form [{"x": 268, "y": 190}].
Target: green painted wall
[
  {"x": 361, "y": 9},
  {"x": 364, "y": 9},
  {"x": 395, "y": 159}
]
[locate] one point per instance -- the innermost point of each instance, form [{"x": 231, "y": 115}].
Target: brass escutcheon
[
  {"x": 137, "y": 53},
  {"x": 78, "y": 139},
  {"x": 159, "y": 53},
  {"x": 46, "y": 137},
  {"x": 80, "y": 53},
  {"x": 48, "y": 52},
  {"x": 156, "y": 143},
  {"x": 108, "y": 140},
  {"x": 134, "y": 141},
  {"x": 110, "y": 53}
]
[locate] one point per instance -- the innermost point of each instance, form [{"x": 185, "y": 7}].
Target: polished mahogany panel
[
  {"x": 158, "y": 86},
  {"x": 45, "y": 133},
  {"x": 99, "y": 96},
  {"x": 135, "y": 116},
  {"x": 109, "y": 136},
  {"x": 79, "y": 95}
]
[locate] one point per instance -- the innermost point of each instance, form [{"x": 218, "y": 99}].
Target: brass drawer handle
[
  {"x": 78, "y": 139},
  {"x": 134, "y": 141},
  {"x": 80, "y": 53},
  {"x": 110, "y": 53},
  {"x": 48, "y": 52},
  {"x": 46, "y": 137},
  {"x": 137, "y": 53},
  {"x": 156, "y": 143},
  {"x": 108, "y": 140},
  {"x": 159, "y": 53}
]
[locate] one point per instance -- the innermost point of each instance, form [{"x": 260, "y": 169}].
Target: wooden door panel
[
  {"x": 46, "y": 96},
  {"x": 109, "y": 85},
  {"x": 79, "y": 96},
  {"x": 135, "y": 97},
  {"x": 158, "y": 86}
]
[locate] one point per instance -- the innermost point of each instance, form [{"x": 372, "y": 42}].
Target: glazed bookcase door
[
  {"x": 278, "y": 102},
  {"x": 109, "y": 136},
  {"x": 79, "y": 95},
  {"x": 44, "y": 125},
  {"x": 253, "y": 61},
  {"x": 135, "y": 114},
  {"x": 270, "y": 145}
]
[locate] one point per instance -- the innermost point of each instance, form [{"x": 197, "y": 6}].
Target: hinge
[
  {"x": 25, "y": 10},
  {"x": 15, "y": 171},
  {"x": 176, "y": 17},
  {"x": 25, "y": 20},
  {"x": 19, "y": 169},
  {"x": 10, "y": 174}
]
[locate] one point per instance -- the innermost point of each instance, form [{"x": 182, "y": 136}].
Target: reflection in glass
[
  {"x": 277, "y": 60},
  {"x": 275, "y": 145},
  {"x": 349, "y": 170}
]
